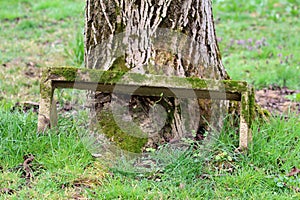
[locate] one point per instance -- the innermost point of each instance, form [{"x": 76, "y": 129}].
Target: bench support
[{"x": 144, "y": 85}]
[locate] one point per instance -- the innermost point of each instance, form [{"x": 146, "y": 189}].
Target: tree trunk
[{"x": 169, "y": 37}]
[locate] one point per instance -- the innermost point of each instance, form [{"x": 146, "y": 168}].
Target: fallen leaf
[{"x": 293, "y": 172}]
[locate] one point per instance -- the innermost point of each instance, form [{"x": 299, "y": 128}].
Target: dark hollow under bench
[{"x": 143, "y": 85}]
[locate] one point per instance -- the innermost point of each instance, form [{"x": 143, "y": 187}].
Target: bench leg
[
  {"x": 47, "y": 117},
  {"x": 245, "y": 119}
]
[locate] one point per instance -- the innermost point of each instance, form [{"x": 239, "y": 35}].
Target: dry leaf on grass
[{"x": 293, "y": 172}]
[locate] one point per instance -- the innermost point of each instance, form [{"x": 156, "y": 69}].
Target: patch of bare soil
[
  {"x": 275, "y": 100},
  {"x": 32, "y": 71}
]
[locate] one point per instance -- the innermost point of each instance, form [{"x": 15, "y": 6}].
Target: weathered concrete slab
[{"x": 143, "y": 85}]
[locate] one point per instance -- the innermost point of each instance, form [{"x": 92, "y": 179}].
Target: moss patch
[
  {"x": 132, "y": 141},
  {"x": 45, "y": 91},
  {"x": 251, "y": 105},
  {"x": 45, "y": 88},
  {"x": 235, "y": 85},
  {"x": 119, "y": 74},
  {"x": 68, "y": 73},
  {"x": 248, "y": 106}
]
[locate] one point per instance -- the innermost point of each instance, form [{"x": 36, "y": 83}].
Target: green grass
[
  {"x": 36, "y": 33},
  {"x": 63, "y": 167},
  {"x": 259, "y": 43}
]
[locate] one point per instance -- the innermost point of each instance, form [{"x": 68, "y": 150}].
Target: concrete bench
[{"x": 143, "y": 85}]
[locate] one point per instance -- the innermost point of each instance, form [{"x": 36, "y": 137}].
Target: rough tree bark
[{"x": 141, "y": 24}]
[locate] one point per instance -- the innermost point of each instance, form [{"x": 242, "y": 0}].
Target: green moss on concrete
[
  {"x": 138, "y": 78},
  {"x": 248, "y": 106},
  {"x": 244, "y": 106},
  {"x": 195, "y": 82},
  {"x": 251, "y": 105},
  {"x": 45, "y": 87},
  {"x": 105, "y": 76},
  {"x": 95, "y": 75},
  {"x": 115, "y": 77},
  {"x": 240, "y": 86},
  {"x": 68, "y": 73},
  {"x": 119, "y": 73},
  {"x": 45, "y": 91},
  {"x": 132, "y": 141}
]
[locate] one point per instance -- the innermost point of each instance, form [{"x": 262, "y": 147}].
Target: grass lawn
[{"x": 259, "y": 43}]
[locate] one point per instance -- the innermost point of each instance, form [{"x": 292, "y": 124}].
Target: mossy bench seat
[{"x": 143, "y": 85}]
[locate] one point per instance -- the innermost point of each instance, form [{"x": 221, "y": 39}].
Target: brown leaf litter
[{"x": 275, "y": 100}]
